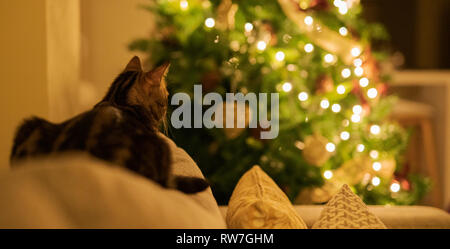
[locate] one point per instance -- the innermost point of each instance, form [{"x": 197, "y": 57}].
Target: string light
[
  {"x": 374, "y": 154},
  {"x": 395, "y": 187},
  {"x": 372, "y": 93},
  {"x": 329, "y": 58},
  {"x": 309, "y": 48},
  {"x": 287, "y": 86},
  {"x": 209, "y": 22},
  {"x": 363, "y": 82},
  {"x": 360, "y": 147},
  {"x": 343, "y": 9},
  {"x": 261, "y": 45},
  {"x": 336, "y": 108},
  {"x": 330, "y": 147},
  {"x": 308, "y": 20},
  {"x": 359, "y": 71},
  {"x": 375, "y": 129},
  {"x": 324, "y": 103},
  {"x": 357, "y": 62},
  {"x": 343, "y": 31},
  {"x": 345, "y": 135},
  {"x": 376, "y": 181},
  {"x": 357, "y": 109},
  {"x": 376, "y": 166},
  {"x": 346, "y": 73},
  {"x": 328, "y": 174},
  {"x": 337, "y": 3},
  {"x": 279, "y": 56},
  {"x": 340, "y": 89},
  {"x": 356, "y": 118},
  {"x": 356, "y": 51},
  {"x": 184, "y": 4},
  {"x": 248, "y": 27},
  {"x": 303, "y": 96}
]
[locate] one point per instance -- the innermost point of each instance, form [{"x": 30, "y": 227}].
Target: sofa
[{"x": 77, "y": 191}]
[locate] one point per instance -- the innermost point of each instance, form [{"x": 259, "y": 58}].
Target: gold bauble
[
  {"x": 244, "y": 112},
  {"x": 225, "y": 15},
  {"x": 353, "y": 171},
  {"x": 387, "y": 168},
  {"x": 315, "y": 152},
  {"x": 315, "y": 195}
]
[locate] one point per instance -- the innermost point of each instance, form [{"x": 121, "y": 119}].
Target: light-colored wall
[
  {"x": 23, "y": 88},
  {"x": 107, "y": 27},
  {"x": 58, "y": 57},
  {"x": 39, "y": 64},
  {"x": 63, "y": 58}
]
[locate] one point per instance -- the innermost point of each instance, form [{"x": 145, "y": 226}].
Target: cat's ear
[
  {"x": 158, "y": 75},
  {"x": 134, "y": 65}
]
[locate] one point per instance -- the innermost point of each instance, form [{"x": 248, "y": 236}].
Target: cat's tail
[{"x": 190, "y": 185}]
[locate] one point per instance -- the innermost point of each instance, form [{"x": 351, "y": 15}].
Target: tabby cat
[{"x": 122, "y": 129}]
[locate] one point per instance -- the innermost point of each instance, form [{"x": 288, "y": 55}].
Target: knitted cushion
[
  {"x": 257, "y": 202},
  {"x": 346, "y": 210}
]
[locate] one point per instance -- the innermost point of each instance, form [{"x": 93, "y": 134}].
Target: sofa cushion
[
  {"x": 257, "y": 202},
  {"x": 78, "y": 191},
  {"x": 345, "y": 210},
  {"x": 394, "y": 217},
  {"x": 184, "y": 165}
]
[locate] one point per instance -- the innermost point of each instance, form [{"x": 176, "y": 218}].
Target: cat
[{"x": 122, "y": 129}]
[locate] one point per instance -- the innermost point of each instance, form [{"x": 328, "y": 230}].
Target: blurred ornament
[
  {"x": 370, "y": 66},
  {"x": 213, "y": 148},
  {"x": 210, "y": 80},
  {"x": 269, "y": 34},
  {"x": 382, "y": 88},
  {"x": 352, "y": 171},
  {"x": 242, "y": 112},
  {"x": 387, "y": 168},
  {"x": 404, "y": 183},
  {"x": 324, "y": 84},
  {"x": 225, "y": 15},
  {"x": 366, "y": 109},
  {"x": 313, "y": 5},
  {"x": 316, "y": 195},
  {"x": 315, "y": 151}
]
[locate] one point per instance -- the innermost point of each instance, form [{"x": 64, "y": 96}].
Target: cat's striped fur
[{"x": 122, "y": 128}]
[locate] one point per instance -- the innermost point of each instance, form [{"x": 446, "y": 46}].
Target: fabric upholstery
[
  {"x": 345, "y": 210},
  {"x": 394, "y": 217},
  {"x": 77, "y": 191},
  {"x": 257, "y": 202}
]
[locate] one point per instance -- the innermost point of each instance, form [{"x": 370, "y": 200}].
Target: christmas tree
[{"x": 325, "y": 62}]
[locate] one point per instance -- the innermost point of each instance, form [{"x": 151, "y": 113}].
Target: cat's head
[{"x": 146, "y": 91}]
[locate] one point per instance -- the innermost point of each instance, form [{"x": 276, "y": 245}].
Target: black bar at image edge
[{"x": 222, "y": 238}]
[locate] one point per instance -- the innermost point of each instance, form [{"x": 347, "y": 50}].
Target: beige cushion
[
  {"x": 394, "y": 217},
  {"x": 345, "y": 210},
  {"x": 257, "y": 202},
  {"x": 184, "y": 165},
  {"x": 77, "y": 191}
]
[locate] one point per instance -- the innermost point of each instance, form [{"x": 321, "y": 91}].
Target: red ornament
[
  {"x": 324, "y": 84},
  {"x": 382, "y": 88},
  {"x": 319, "y": 5},
  {"x": 405, "y": 184}
]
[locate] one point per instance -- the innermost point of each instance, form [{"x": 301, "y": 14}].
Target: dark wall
[{"x": 419, "y": 29}]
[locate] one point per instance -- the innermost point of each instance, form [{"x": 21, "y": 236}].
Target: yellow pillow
[
  {"x": 257, "y": 202},
  {"x": 345, "y": 210}
]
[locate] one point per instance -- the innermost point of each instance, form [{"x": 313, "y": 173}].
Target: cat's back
[
  {"x": 34, "y": 137},
  {"x": 37, "y": 136}
]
